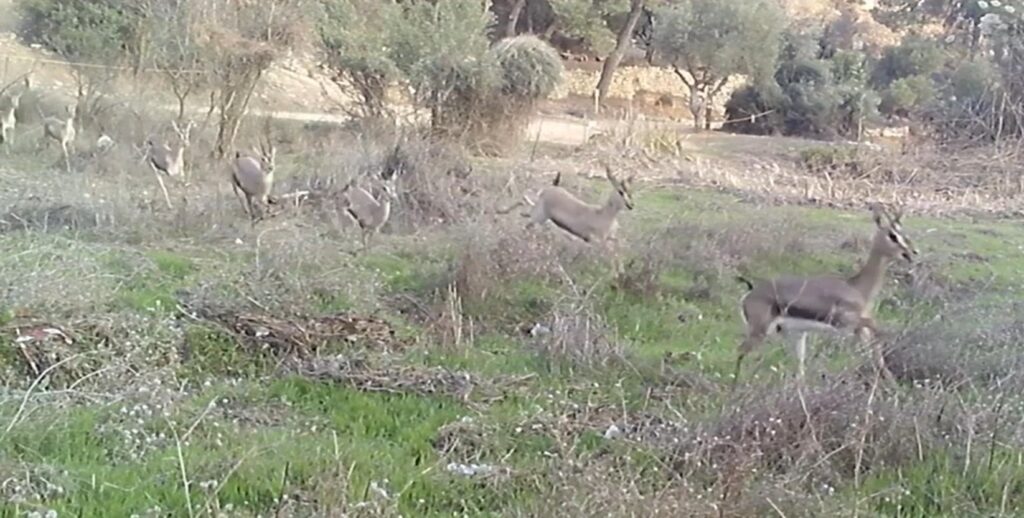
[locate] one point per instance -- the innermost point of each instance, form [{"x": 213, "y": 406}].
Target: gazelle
[
  {"x": 62, "y": 131},
  {"x": 591, "y": 223},
  {"x": 795, "y": 306},
  {"x": 253, "y": 177},
  {"x": 369, "y": 213},
  {"x": 165, "y": 161},
  {"x": 9, "y": 117}
]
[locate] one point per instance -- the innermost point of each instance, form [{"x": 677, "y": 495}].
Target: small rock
[{"x": 469, "y": 470}]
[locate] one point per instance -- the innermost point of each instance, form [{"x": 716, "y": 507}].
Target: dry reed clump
[
  {"x": 576, "y": 334},
  {"x": 821, "y": 436},
  {"x": 612, "y": 486},
  {"x": 436, "y": 183},
  {"x": 943, "y": 354},
  {"x": 494, "y": 256},
  {"x": 50, "y": 218},
  {"x": 106, "y": 354},
  {"x": 281, "y": 271},
  {"x": 501, "y": 277},
  {"x": 434, "y": 180},
  {"x": 56, "y": 276},
  {"x": 707, "y": 253},
  {"x": 831, "y": 434}
]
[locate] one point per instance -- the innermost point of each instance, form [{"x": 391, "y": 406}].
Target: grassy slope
[{"x": 217, "y": 430}]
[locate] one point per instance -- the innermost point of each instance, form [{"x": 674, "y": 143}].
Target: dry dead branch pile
[
  {"x": 422, "y": 381},
  {"x": 306, "y": 337}
]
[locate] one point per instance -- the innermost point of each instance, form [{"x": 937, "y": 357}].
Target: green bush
[
  {"x": 85, "y": 30},
  {"x": 833, "y": 160},
  {"x": 354, "y": 36},
  {"x": 531, "y": 68},
  {"x": 809, "y": 96},
  {"x": 908, "y": 95},
  {"x": 912, "y": 57},
  {"x": 972, "y": 105},
  {"x": 974, "y": 81}
]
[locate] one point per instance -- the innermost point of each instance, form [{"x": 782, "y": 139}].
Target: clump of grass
[
  {"x": 832, "y": 161},
  {"x": 949, "y": 355},
  {"x": 437, "y": 184},
  {"x": 577, "y": 335}
]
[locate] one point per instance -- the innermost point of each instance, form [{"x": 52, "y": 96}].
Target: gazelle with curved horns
[
  {"x": 594, "y": 224},
  {"x": 794, "y": 306},
  {"x": 62, "y": 131},
  {"x": 8, "y": 114},
  {"x": 369, "y": 213},
  {"x": 252, "y": 177},
  {"x": 589, "y": 222},
  {"x": 165, "y": 161}
]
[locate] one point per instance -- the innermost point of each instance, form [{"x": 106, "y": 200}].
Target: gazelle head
[
  {"x": 266, "y": 154},
  {"x": 184, "y": 134},
  {"x": 622, "y": 187},
  {"x": 389, "y": 188},
  {"x": 890, "y": 241}
]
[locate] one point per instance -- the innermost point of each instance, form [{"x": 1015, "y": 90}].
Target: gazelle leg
[
  {"x": 67, "y": 159},
  {"x": 537, "y": 215},
  {"x": 866, "y": 332},
  {"x": 240, "y": 197},
  {"x": 801, "y": 355},
  {"x": 163, "y": 188}
]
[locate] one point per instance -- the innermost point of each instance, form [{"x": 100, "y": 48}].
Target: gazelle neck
[
  {"x": 613, "y": 205},
  {"x": 868, "y": 281}
]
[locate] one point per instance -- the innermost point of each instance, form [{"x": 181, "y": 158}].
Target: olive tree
[
  {"x": 357, "y": 35},
  {"x": 97, "y": 37},
  {"x": 706, "y": 42}
]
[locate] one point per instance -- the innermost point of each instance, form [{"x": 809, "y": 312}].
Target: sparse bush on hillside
[
  {"x": 908, "y": 95},
  {"x": 835, "y": 161},
  {"x": 173, "y": 48},
  {"x": 913, "y": 57},
  {"x": 98, "y": 31}
]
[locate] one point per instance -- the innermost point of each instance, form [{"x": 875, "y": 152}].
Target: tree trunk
[
  {"x": 181, "y": 107},
  {"x": 513, "y": 18},
  {"x": 697, "y": 101},
  {"x": 636, "y": 8}
]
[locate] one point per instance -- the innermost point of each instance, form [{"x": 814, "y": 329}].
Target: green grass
[{"x": 286, "y": 434}]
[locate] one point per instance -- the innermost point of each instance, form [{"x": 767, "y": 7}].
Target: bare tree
[
  {"x": 240, "y": 41},
  {"x": 174, "y": 48}
]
